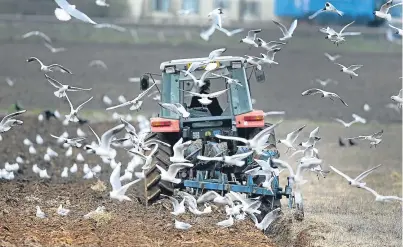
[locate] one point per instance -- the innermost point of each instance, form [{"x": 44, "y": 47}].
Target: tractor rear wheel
[{"x": 153, "y": 185}]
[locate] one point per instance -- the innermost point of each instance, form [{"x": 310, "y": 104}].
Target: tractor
[{"x": 236, "y": 118}]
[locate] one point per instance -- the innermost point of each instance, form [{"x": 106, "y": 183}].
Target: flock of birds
[{"x": 237, "y": 205}]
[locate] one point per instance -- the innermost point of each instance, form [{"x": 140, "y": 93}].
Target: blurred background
[{"x": 161, "y": 30}]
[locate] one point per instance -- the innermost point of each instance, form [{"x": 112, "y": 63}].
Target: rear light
[
  {"x": 161, "y": 123},
  {"x": 253, "y": 118}
]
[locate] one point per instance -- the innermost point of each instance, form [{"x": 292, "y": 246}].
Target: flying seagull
[
  {"x": 48, "y": 68},
  {"x": 118, "y": 191},
  {"x": 8, "y": 121},
  {"x": 350, "y": 70},
  {"x": 63, "y": 4},
  {"x": 73, "y": 116},
  {"x": 356, "y": 181},
  {"x": 325, "y": 94},
  {"x": 250, "y": 39},
  {"x": 287, "y": 34},
  {"x": 37, "y": 33},
  {"x": 62, "y": 89},
  {"x": 383, "y": 12},
  {"x": 328, "y": 8}
]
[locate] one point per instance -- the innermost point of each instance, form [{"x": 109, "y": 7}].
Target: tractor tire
[{"x": 153, "y": 185}]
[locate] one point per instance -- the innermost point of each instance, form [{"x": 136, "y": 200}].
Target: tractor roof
[{"x": 184, "y": 62}]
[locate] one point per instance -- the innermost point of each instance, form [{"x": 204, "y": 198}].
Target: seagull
[
  {"x": 179, "y": 149},
  {"x": 328, "y": 8},
  {"x": 35, "y": 168},
  {"x": 111, "y": 26},
  {"x": 290, "y": 139},
  {"x": 178, "y": 208},
  {"x": 357, "y": 119},
  {"x": 324, "y": 83},
  {"x": 71, "y": 10},
  {"x": 197, "y": 83},
  {"x": 306, "y": 164},
  {"x": 62, "y": 211},
  {"x": 380, "y": 198},
  {"x": 230, "y": 80},
  {"x": 51, "y": 152},
  {"x": 106, "y": 100},
  {"x": 75, "y": 142},
  {"x": 269, "y": 58},
  {"x": 216, "y": 53},
  {"x": 176, "y": 108},
  {"x": 398, "y": 98},
  {"x": 332, "y": 58},
  {"x": 236, "y": 160},
  {"x": 148, "y": 159},
  {"x": 250, "y": 60},
  {"x": 62, "y": 88},
  {"x": 229, "y": 33},
  {"x": 267, "y": 220},
  {"x": 204, "y": 98},
  {"x": 383, "y": 11},
  {"x": 48, "y": 68},
  {"x": 40, "y": 213},
  {"x": 398, "y": 30},
  {"x": 19, "y": 160},
  {"x": 98, "y": 63},
  {"x": 43, "y": 173},
  {"x": 9, "y": 81},
  {"x": 226, "y": 223},
  {"x": 287, "y": 34},
  {"x": 74, "y": 168},
  {"x": 134, "y": 101},
  {"x": 118, "y": 191},
  {"x": 101, "y": 3},
  {"x": 251, "y": 37},
  {"x": 103, "y": 147},
  {"x": 313, "y": 138},
  {"x": 37, "y": 33},
  {"x": 267, "y": 46},
  {"x": 80, "y": 133},
  {"x": 53, "y": 49},
  {"x": 39, "y": 139},
  {"x": 62, "y": 15},
  {"x": 332, "y": 34},
  {"x": 207, "y": 33},
  {"x": 128, "y": 175},
  {"x": 8, "y": 121},
  {"x": 258, "y": 142},
  {"x": 216, "y": 16},
  {"x": 170, "y": 174},
  {"x": 182, "y": 225},
  {"x": 80, "y": 157},
  {"x": 350, "y": 70},
  {"x": 325, "y": 94},
  {"x": 374, "y": 139},
  {"x": 356, "y": 181},
  {"x": 366, "y": 107},
  {"x": 11, "y": 168},
  {"x": 73, "y": 116}
]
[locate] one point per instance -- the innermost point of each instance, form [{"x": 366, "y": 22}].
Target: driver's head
[{"x": 206, "y": 86}]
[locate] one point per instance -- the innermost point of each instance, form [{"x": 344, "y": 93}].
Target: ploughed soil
[{"x": 127, "y": 223}]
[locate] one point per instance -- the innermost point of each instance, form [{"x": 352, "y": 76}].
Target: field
[{"x": 335, "y": 214}]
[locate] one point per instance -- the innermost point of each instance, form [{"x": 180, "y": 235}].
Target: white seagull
[
  {"x": 226, "y": 223},
  {"x": 173, "y": 169},
  {"x": 332, "y": 58},
  {"x": 62, "y": 88},
  {"x": 197, "y": 83},
  {"x": 102, "y": 3},
  {"x": 350, "y": 70},
  {"x": 179, "y": 149},
  {"x": 62, "y": 211},
  {"x": 236, "y": 159},
  {"x": 269, "y": 58},
  {"x": 229, "y": 33},
  {"x": 398, "y": 30},
  {"x": 357, "y": 119},
  {"x": 325, "y": 94},
  {"x": 383, "y": 11},
  {"x": 40, "y": 213},
  {"x": 250, "y": 39},
  {"x": 216, "y": 16},
  {"x": 182, "y": 225},
  {"x": 374, "y": 139},
  {"x": 75, "y": 142},
  {"x": 118, "y": 191},
  {"x": 398, "y": 98},
  {"x": 48, "y": 68},
  {"x": 356, "y": 181},
  {"x": 328, "y": 8},
  {"x": 339, "y": 36},
  {"x": 73, "y": 116},
  {"x": 381, "y": 198},
  {"x": 267, "y": 220},
  {"x": 103, "y": 147},
  {"x": 37, "y": 33},
  {"x": 71, "y": 10},
  {"x": 134, "y": 102},
  {"x": 8, "y": 121},
  {"x": 258, "y": 142},
  {"x": 290, "y": 139},
  {"x": 287, "y": 34},
  {"x": 267, "y": 46},
  {"x": 313, "y": 138},
  {"x": 204, "y": 98}
]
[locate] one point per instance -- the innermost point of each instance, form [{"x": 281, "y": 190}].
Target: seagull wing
[
  {"x": 312, "y": 91},
  {"x": 232, "y": 138},
  {"x": 396, "y": 4},
  {"x": 378, "y": 134},
  {"x": 71, "y": 105},
  {"x": 71, "y": 88},
  {"x": 81, "y": 106},
  {"x": 293, "y": 26},
  {"x": 205, "y": 158},
  {"x": 115, "y": 178},
  {"x": 73, "y": 11},
  {"x": 60, "y": 67},
  {"x": 285, "y": 165},
  {"x": 208, "y": 196},
  {"x": 207, "y": 33},
  {"x": 54, "y": 82},
  {"x": 281, "y": 26},
  {"x": 366, "y": 173},
  {"x": 218, "y": 93},
  {"x": 398, "y": 29},
  {"x": 344, "y": 28},
  {"x": 385, "y": 7},
  {"x": 235, "y": 31},
  {"x": 294, "y": 135},
  {"x": 340, "y": 121},
  {"x": 400, "y": 93},
  {"x": 252, "y": 33},
  {"x": 108, "y": 135},
  {"x": 117, "y": 106},
  {"x": 340, "y": 173},
  {"x": 341, "y": 65},
  {"x": 129, "y": 128},
  {"x": 190, "y": 74},
  {"x": 266, "y": 130},
  {"x": 354, "y": 67},
  {"x": 337, "y": 96},
  {"x": 124, "y": 188},
  {"x": 315, "y": 14},
  {"x": 351, "y": 34},
  {"x": 370, "y": 190},
  {"x": 169, "y": 107},
  {"x": 240, "y": 156},
  {"x": 99, "y": 140},
  {"x": 393, "y": 198},
  {"x": 11, "y": 115},
  {"x": 269, "y": 218},
  {"x": 314, "y": 132},
  {"x": 228, "y": 33},
  {"x": 174, "y": 168}
]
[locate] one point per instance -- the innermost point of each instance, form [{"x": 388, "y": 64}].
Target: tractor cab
[{"x": 227, "y": 112}]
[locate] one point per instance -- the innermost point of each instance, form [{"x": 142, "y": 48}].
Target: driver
[{"x": 214, "y": 108}]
